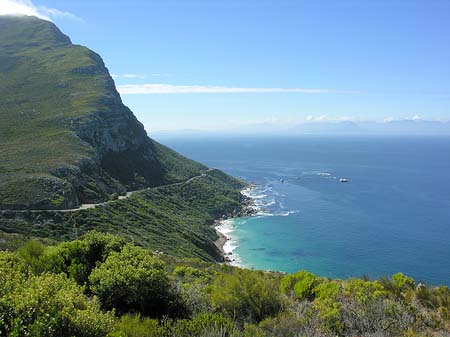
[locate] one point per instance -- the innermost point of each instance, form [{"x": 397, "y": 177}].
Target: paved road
[{"x": 121, "y": 197}]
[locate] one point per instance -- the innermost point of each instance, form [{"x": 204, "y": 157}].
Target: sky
[{"x": 212, "y": 65}]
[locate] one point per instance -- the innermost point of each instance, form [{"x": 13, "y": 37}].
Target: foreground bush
[
  {"x": 132, "y": 280},
  {"x": 203, "y": 325},
  {"x": 76, "y": 258},
  {"x": 300, "y": 284},
  {"x": 137, "y": 326},
  {"x": 46, "y": 305},
  {"x": 246, "y": 295},
  {"x": 164, "y": 296}
]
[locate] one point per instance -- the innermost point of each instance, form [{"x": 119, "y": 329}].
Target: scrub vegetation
[{"x": 103, "y": 285}]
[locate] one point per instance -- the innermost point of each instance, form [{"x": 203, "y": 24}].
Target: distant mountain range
[{"x": 395, "y": 127}]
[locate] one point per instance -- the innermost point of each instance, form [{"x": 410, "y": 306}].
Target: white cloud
[
  {"x": 139, "y": 76},
  {"x": 321, "y": 118},
  {"x": 394, "y": 119},
  {"x": 129, "y": 89},
  {"x": 133, "y": 76},
  {"x": 26, "y": 7},
  {"x": 56, "y": 13},
  {"x": 19, "y": 7},
  {"x": 327, "y": 118}
]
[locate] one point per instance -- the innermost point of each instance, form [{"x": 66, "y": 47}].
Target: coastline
[
  {"x": 223, "y": 226},
  {"x": 220, "y": 242}
]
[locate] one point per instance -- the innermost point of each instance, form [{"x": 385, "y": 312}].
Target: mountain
[
  {"x": 394, "y": 127},
  {"x": 412, "y": 127},
  {"x": 409, "y": 127},
  {"x": 66, "y": 138}
]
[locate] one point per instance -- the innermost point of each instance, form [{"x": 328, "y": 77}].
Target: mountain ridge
[{"x": 66, "y": 137}]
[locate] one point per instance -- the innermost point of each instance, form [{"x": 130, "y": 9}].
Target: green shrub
[
  {"x": 31, "y": 253},
  {"x": 52, "y": 305},
  {"x": 282, "y": 325},
  {"x": 13, "y": 271},
  {"x": 78, "y": 258},
  {"x": 132, "y": 280},
  {"x": 189, "y": 272},
  {"x": 246, "y": 295},
  {"x": 301, "y": 284},
  {"x": 328, "y": 296},
  {"x": 208, "y": 325},
  {"x": 437, "y": 300},
  {"x": 129, "y": 279},
  {"x": 137, "y": 326},
  {"x": 403, "y": 282},
  {"x": 364, "y": 291}
]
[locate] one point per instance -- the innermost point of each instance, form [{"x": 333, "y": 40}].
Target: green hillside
[
  {"x": 65, "y": 136},
  {"x": 175, "y": 219}
]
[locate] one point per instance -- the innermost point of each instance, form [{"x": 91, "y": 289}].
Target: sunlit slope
[{"x": 65, "y": 136}]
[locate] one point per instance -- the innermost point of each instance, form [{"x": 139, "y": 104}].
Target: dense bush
[
  {"x": 75, "y": 258},
  {"x": 301, "y": 284},
  {"x": 31, "y": 253},
  {"x": 246, "y": 295},
  {"x": 137, "y": 326},
  {"x": 60, "y": 290},
  {"x": 203, "y": 325},
  {"x": 133, "y": 280},
  {"x": 403, "y": 282},
  {"x": 206, "y": 325},
  {"x": 46, "y": 305}
]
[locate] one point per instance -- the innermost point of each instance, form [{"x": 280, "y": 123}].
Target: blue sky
[{"x": 198, "y": 64}]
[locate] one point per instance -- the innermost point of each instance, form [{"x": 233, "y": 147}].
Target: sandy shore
[
  {"x": 222, "y": 228},
  {"x": 224, "y": 242},
  {"x": 220, "y": 242}
]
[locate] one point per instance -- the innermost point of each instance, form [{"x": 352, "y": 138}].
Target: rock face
[{"x": 66, "y": 138}]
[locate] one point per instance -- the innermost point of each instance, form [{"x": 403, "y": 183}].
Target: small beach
[{"x": 226, "y": 243}]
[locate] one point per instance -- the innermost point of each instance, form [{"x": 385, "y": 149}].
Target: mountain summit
[{"x": 66, "y": 138}]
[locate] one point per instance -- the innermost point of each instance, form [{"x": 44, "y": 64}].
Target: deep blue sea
[{"x": 393, "y": 214}]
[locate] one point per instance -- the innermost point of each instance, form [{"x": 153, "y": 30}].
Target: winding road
[{"x": 121, "y": 197}]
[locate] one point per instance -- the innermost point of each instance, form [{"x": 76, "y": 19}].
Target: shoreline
[
  {"x": 247, "y": 208},
  {"x": 220, "y": 242}
]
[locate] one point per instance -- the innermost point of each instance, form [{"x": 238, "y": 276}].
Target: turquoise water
[{"x": 393, "y": 214}]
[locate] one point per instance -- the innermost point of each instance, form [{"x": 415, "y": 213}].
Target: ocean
[{"x": 392, "y": 215}]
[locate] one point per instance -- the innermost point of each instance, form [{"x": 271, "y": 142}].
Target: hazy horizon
[{"x": 396, "y": 127}]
